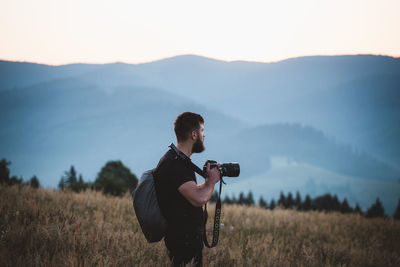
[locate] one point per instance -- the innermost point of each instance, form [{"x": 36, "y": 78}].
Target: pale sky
[{"x": 99, "y": 31}]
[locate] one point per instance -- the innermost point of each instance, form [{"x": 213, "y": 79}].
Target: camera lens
[{"x": 231, "y": 169}]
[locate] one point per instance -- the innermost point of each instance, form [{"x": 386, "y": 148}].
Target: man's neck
[{"x": 185, "y": 147}]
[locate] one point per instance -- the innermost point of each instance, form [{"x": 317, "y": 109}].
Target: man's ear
[{"x": 194, "y": 135}]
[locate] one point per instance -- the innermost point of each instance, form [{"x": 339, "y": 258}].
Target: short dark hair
[{"x": 185, "y": 123}]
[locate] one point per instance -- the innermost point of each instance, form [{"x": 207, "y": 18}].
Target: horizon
[{"x": 194, "y": 55}]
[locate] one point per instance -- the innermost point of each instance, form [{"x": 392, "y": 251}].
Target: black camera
[{"x": 231, "y": 169}]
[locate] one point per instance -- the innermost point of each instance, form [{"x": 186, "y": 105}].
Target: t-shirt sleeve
[{"x": 181, "y": 174}]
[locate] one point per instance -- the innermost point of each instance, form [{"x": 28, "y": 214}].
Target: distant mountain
[
  {"x": 321, "y": 91},
  {"x": 260, "y": 84},
  {"x": 353, "y": 98},
  {"x": 23, "y": 74}
]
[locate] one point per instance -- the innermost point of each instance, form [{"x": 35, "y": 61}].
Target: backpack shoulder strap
[{"x": 188, "y": 161}]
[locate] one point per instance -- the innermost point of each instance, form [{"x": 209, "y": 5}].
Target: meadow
[{"x": 44, "y": 227}]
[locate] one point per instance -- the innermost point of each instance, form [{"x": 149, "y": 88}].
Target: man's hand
[{"x": 213, "y": 174}]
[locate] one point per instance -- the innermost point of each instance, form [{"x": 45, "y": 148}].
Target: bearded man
[{"x": 180, "y": 197}]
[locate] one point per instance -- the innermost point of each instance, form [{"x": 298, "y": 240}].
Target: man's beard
[{"x": 198, "y": 146}]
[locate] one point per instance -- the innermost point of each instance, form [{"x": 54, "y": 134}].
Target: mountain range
[{"x": 336, "y": 116}]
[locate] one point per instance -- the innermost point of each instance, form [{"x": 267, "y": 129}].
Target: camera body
[{"x": 231, "y": 169}]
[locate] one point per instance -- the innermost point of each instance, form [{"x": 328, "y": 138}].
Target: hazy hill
[
  {"x": 364, "y": 112},
  {"x": 54, "y": 124},
  {"x": 308, "y": 145},
  {"x": 262, "y": 85},
  {"x": 287, "y": 175},
  {"x": 71, "y": 121}
]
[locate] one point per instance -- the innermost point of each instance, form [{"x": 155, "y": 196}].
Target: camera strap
[
  {"x": 217, "y": 218},
  {"x": 218, "y": 205}
]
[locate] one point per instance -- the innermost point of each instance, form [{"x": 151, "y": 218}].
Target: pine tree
[
  {"x": 289, "y": 201},
  {"x": 396, "y": 214},
  {"x": 241, "y": 200},
  {"x": 69, "y": 178},
  {"x": 4, "y": 171},
  {"x": 61, "y": 184},
  {"x": 297, "y": 201},
  {"x": 376, "y": 210},
  {"x": 272, "y": 204},
  {"x": 249, "y": 199},
  {"x": 345, "y": 208},
  {"x": 357, "y": 209},
  {"x": 34, "y": 182},
  {"x": 336, "y": 203},
  {"x": 307, "y": 205},
  {"x": 81, "y": 185},
  {"x": 282, "y": 200},
  {"x": 262, "y": 203}
]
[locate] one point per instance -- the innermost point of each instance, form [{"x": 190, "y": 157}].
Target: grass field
[{"x": 53, "y": 228}]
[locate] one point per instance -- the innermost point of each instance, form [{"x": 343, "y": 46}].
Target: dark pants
[
  {"x": 185, "y": 248},
  {"x": 181, "y": 256}
]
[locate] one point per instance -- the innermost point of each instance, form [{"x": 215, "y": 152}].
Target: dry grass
[{"x": 51, "y": 228}]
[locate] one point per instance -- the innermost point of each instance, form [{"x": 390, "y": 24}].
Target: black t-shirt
[{"x": 184, "y": 220}]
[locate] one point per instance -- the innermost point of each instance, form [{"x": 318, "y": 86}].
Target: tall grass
[{"x": 53, "y": 228}]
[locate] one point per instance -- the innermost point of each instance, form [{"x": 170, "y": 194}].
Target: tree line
[
  {"x": 114, "y": 179},
  {"x": 6, "y": 179},
  {"x": 326, "y": 202}
]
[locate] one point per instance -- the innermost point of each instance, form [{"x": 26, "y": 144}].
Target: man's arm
[{"x": 198, "y": 195}]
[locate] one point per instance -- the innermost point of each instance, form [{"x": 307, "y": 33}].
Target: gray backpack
[{"x": 146, "y": 207}]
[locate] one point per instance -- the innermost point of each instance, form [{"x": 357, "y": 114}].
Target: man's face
[{"x": 198, "y": 146}]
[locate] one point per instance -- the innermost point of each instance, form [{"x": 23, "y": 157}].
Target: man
[{"x": 180, "y": 197}]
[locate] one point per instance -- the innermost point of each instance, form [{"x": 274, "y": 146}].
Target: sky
[{"x": 97, "y": 31}]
